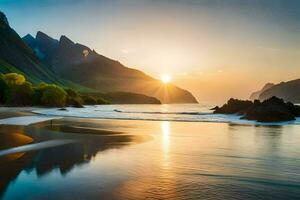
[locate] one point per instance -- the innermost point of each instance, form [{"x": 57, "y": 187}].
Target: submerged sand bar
[
  {"x": 35, "y": 146},
  {"x": 22, "y": 116},
  {"x": 25, "y": 120}
]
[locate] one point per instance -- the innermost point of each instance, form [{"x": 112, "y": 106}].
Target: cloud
[{"x": 125, "y": 51}]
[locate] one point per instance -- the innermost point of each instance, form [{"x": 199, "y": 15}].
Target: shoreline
[
  {"x": 151, "y": 149},
  {"x": 31, "y": 116},
  {"x": 22, "y": 116}
]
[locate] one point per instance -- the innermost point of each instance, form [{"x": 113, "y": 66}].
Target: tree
[
  {"x": 4, "y": 91},
  {"x": 73, "y": 98},
  {"x": 101, "y": 101},
  {"x": 89, "y": 100},
  {"x": 14, "y": 79},
  {"x": 24, "y": 93},
  {"x": 20, "y": 94},
  {"x": 53, "y": 95},
  {"x": 38, "y": 93}
]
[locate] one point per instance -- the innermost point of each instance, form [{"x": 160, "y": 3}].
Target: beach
[{"x": 138, "y": 159}]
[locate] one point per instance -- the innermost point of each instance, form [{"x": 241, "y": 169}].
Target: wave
[
  {"x": 165, "y": 113},
  {"x": 156, "y": 115}
]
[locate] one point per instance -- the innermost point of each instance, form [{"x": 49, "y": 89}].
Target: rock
[
  {"x": 215, "y": 108},
  {"x": 270, "y": 110},
  {"x": 269, "y": 113},
  {"x": 62, "y": 109},
  {"x": 77, "y": 105},
  {"x": 234, "y": 106}
]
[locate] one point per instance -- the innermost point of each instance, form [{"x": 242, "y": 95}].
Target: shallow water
[
  {"x": 156, "y": 160},
  {"x": 165, "y": 112}
]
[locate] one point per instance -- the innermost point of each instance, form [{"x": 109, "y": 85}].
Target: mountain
[
  {"x": 86, "y": 67},
  {"x": 289, "y": 91},
  {"x": 127, "y": 98},
  {"x": 255, "y": 95},
  {"x": 17, "y": 56}
]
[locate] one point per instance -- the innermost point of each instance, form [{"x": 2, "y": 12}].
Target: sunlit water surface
[
  {"x": 157, "y": 160},
  {"x": 165, "y": 112}
]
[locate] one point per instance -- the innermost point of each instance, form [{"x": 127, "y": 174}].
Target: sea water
[
  {"x": 179, "y": 156},
  {"x": 165, "y": 112}
]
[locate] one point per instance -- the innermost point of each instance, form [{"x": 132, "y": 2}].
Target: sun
[{"x": 166, "y": 78}]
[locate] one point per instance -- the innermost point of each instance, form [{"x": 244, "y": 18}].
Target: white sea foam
[{"x": 180, "y": 112}]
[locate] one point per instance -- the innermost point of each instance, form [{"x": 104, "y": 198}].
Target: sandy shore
[
  {"x": 12, "y": 120},
  {"x": 21, "y": 116},
  {"x": 7, "y": 112},
  {"x": 26, "y": 109},
  {"x": 22, "y": 131}
]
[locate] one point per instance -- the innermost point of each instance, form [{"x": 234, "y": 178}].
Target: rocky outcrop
[
  {"x": 233, "y": 106},
  {"x": 270, "y": 110}
]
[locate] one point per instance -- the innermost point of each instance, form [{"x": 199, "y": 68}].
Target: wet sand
[
  {"x": 56, "y": 132},
  {"x": 13, "y": 136},
  {"x": 63, "y": 143},
  {"x": 6, "y": 112}
]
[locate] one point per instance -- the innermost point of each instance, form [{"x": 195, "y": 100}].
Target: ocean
[
  {"x": 153, "y": 152},
  {"x": 165, "y": 112}
]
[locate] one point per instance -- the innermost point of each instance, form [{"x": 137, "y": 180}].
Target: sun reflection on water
[{"x": 165, "y": 141}]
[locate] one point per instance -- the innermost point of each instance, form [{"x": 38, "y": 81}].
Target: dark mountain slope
[
  {"x": 28, "y": 57},
  {"x": 255, "y": 95},
  {"x": 16, "y": 56},
  {"x": 289, "y": 91},
  {"x": 84, "y": 66}
]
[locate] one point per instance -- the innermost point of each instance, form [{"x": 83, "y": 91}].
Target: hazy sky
[{"x": 214, "y": 48}]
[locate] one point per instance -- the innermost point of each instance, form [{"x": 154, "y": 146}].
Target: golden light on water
[
  {"x": 165, "y": 141},
  {"x": 166, "y": 78},
  {"x": 165, "y": 128}
]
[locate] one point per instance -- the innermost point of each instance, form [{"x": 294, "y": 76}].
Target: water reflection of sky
[{"x": 196, "y": 160}]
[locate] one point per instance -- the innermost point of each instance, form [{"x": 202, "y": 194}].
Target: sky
[{"x": 216, "y": 49}]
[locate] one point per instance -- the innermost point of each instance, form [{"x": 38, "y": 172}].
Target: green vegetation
[
  {"x": 91, "y": 99},
  {"x": 118, "y": 98},
  {"x": 54, "y": 96},
  {"x": 73, "y": 98},
  {"x": 16, "y": 91},
  {"x": 4, "y": 91},
  {"x": 14, "y": 79},
  {"x": 100, "y": 100},
  {"x": 130, "y": 98}
]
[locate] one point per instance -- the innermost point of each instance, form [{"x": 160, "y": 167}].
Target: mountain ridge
[
  {"x": 17, "y": 56},
  {"x": 255, "y": 95},
  {"x": 101, "y": 73},
  {"x": 286, "y": 90}
]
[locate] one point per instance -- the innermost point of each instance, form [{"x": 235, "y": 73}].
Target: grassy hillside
[
  {"x": 17, "y": 56},
  {"x": 125, "y": 98}
]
